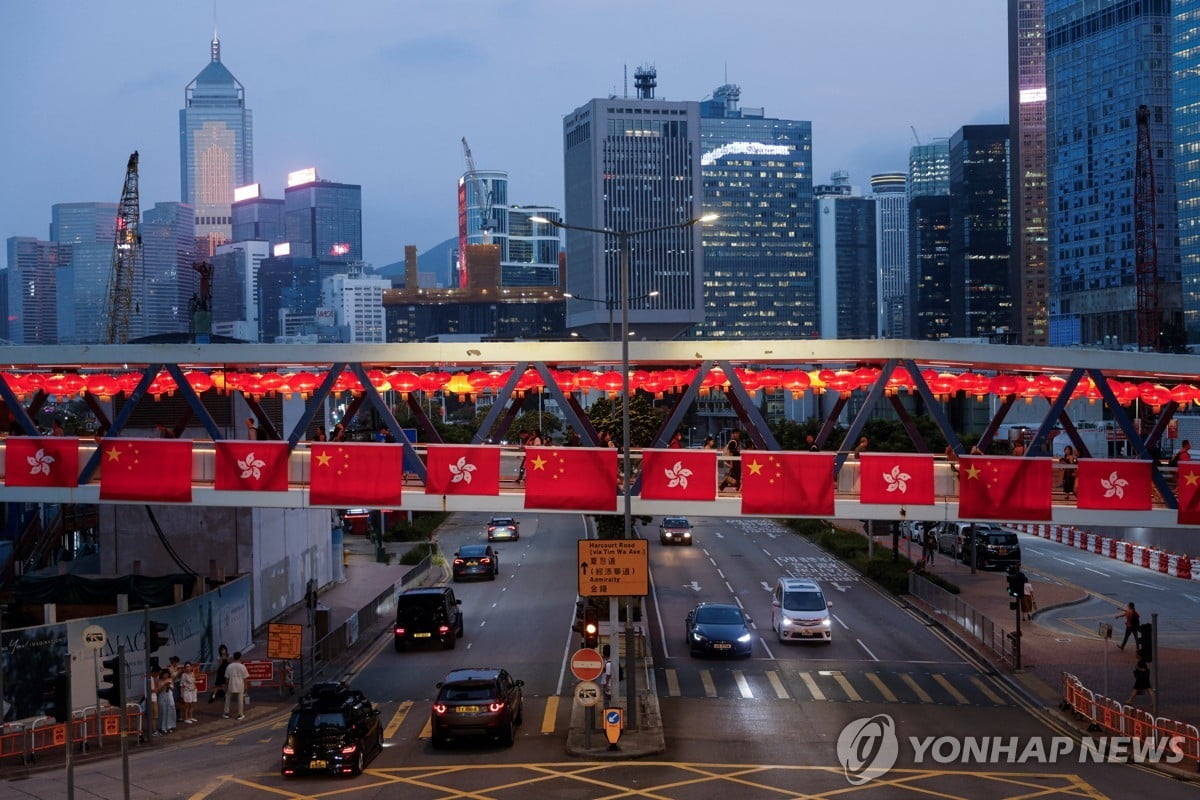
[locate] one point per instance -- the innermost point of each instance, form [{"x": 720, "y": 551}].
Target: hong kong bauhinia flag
[
  {"x": 1188, "y": 493},
  {"x": 896, "y": 478},
  {"x": 41, "y": 461},
  {"x": 462, "y": 469},
  {"x": 1117, "y": 484},
  {"x": 245, "y": 466},
  {"x": 679, "y": 474},
  {"x": 571, "y": 478},
  {"x": 1004, "y": 487},
  {"x": 369, "y": 474},
  {"x": 146, "y": 470},
  {"x": 776, "y": 482}
]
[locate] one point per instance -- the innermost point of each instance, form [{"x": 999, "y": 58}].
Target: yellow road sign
[{"x": 614, "y": 567}]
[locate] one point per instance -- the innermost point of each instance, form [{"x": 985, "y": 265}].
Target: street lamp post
[
  {"x": 624, "y": 244},
  {"x": 610, "y": 304}
]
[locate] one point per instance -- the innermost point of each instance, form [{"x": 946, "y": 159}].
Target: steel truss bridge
[{"x": 874, "y": 372}]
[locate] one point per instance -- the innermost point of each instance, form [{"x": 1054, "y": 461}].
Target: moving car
[
  {"x": 718, "y": 629},
  {"x": 675, "y": 530},
  {"x": 332, "y": 729},
  {"x": 503, "y": 528},
  {"x": 475, "y": 561},
  {"x": 799, "y": 611},
  {"x": 477, "y": 702},
  {"x": 427, "y": 615},
  {"x": 994, "y": 548}
]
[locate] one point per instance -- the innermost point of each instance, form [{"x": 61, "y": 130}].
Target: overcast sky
[{"x": 381, "y": 92}]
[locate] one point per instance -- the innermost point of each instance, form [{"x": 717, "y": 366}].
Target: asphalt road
[{"x": 750, "y": 727}]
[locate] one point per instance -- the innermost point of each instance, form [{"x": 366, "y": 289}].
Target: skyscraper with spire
[{"x": 216, "y": 150}]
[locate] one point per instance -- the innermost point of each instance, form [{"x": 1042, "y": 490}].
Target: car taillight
[
  {"x": 443, "y": 629},
  {"x": 348, "y": 749},
  {"x": 458, "y": 561},
  {"x": 494, "y": 707},
  {"x": 288, "y": 750},
  {"x": 485, "y": 560},
  {"x": 399, "y": 631},
  {"x": 439, "y": 708}
]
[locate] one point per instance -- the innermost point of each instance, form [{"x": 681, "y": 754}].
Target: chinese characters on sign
[{"x": 613, "y": 567}]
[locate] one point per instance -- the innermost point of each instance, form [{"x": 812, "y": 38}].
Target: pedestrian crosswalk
[{"x": 830, "y": 685}]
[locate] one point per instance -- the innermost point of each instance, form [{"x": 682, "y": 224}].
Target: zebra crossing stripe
[
  {"x": 988, "y": 693},
  {"x": 887, "y": 693},
  {"x": 958, "y": 696},
  {"x": 847, "y": 688},
  {"x": 921, "y": 694},
  {"x": 777, "y": 685},
  {"x": 812, "y": 687},
  {"x": 710, "y": 689},
  {"x": 672, "y": 682},
  {"x": 551, "y": 714},
  {"x": 743, "y": 685}
]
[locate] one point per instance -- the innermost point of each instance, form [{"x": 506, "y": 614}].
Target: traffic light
[
  {"x": 1016, "y": 584},
  {"x": 591, "y": 627},
  {"x": 1146, "y": 639},
  {"x": 112, "y": 672},
  {"x": 157, "y": 636}
]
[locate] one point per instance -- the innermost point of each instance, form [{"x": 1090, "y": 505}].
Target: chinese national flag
[
  {"x": 1119, "y": 484},
  {"x": 41, "y": 461},
  {"x": 1188, "y": 492},
  {"x": 462, "y": 469},
  {"x": 896, "y": 479},
  {"x": 146, "y": 470},
  {"x": 572, "y": 478},
  {"x": 679, "y": 474},
  {"x": 1004, "y": 487},
  {"x": 367, "y": 474},
  {"x": 787, "y": 483},
  {"x": 252, "y": 466}
]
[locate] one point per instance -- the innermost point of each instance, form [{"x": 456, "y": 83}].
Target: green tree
[{"x": 644, "y": 419}]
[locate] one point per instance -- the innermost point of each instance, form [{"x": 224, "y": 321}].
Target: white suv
[{"x": 799, "y": 611}]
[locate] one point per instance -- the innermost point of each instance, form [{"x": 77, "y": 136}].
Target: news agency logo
[{"x": 868, "y": 748}]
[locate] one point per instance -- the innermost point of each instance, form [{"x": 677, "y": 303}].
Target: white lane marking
[
  {"x": 766, "y": 586},
  {"x": 777, "y": 685},
  {"x": 839, "y": 587},
  {"x": 657, "y": 612},
  {"x": 864, "y": 647},
  {"x": 768, "y": 552},
  {"x": 722, "y": 574},
  {"x": 1146, "y": 585},
  {"x": 727, "y": 586},
  {"x": 839, "y": 621},
  {"x": 1193, "y": 598},
  {"x": 770, "y": 655},
  {"x": 1098, "y": 572},
  {"x": 1064, "y": 560},
  {"x": 672, "y": 683},
  {"x": 483, "y": 623},
  {"x": 713, "y": 561},
  {"x": 812, "y": 687},
  {"x": 882, "y": 687},
  {"x": 738, "y": 600},
  {"x": 718, "y": 534},
  {"x": 695, "y": 587},
  {"x": 710, "y": 690},
  {"x": 742, "y": 684}
]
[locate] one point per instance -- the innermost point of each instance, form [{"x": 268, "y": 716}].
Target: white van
[{"x": 799, "y": 611}]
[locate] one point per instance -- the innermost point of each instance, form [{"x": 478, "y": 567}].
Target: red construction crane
[
  {"x": 1149, "y": 314},
  {"x": 127, "y": 248}
]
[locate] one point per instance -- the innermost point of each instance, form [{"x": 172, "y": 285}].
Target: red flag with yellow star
[
  {"x": 795, "y": 484},
  {"x": 146, "y": 470},
  {"x": 370, "y": 475},
  {"x": 1004, "y": 487},
  {"x": 572, "y": 478},
  {"x": 1188, "y": 492}
]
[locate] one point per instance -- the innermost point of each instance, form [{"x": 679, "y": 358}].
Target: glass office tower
[
  {"x": 216, "y": 150},
  {"x": 82, "y": 291},
  {"x": 1186, "y": 48},
  {"x": 168, "y": 283},
  {"x": 760, "y": 271},
  {"x": 848, "y": 275},
  {"x": 323, "y": 220},
  {"x": 30, "y": 290},
  {"x": 929, "y": 240},
  {"x": 889, "y": 191}
]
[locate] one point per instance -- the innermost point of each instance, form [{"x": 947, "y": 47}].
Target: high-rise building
[
  {"x": 1103, "y": 61},
  {"x": 889, "y": 191},
  {"x": 30, "y": 289},
  {"x": 532, "y": 257},
  {"x": 323, "y": 219},
  {"x": 929, "y": 169},
  {"x": 929, "y": 274},
  {"x": 632, "y": 165},
  {"x": 216, "y": 150},
  {"x": 235, "y": 288},
  {"x": 984, "y": 289},
  {"x": 760, "y": 273},
  {"x": 82, "y": 291},
  {"x": 528, "y": 251},
  {"x": 1027, "y": 146},
  {"x": 257, "y": 218},
  {"x": 1186, "y": 49},
  {"x": 289, "y": 292},
  {"x": 846, "y": 262},
  {"x": 168, "y": 286},
  {"x": 482, "y": 216},
  {"x": 356, "y": 301}
]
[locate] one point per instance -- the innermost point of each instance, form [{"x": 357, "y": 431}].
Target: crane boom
[
  {"x": 483, "y": 195},
  {"x": 127, "y": 247}
]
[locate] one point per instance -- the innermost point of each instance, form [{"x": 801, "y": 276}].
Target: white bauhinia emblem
[
  {"x": 677, "y": 475},
  {"x": 40, "y": 462},
  {"x": 251, "y": 466},
  {"x": 897, "y": 480},
  {"x": 1114, "y": 485},
  {"x": 461, "y": 471}
]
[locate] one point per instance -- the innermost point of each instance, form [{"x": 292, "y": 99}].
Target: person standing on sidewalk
[
  {"x": 235, "y": 677},
  {"x": 1027, "y": 602},
  {"x": 1133, "y": 626},
  {"x": 1141, "y": 682},
  {"x": 187, "y": 693},
  {"x": 220, "y": 682}
]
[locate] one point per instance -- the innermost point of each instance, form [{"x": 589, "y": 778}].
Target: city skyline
[{"x": 381, "y": 95}]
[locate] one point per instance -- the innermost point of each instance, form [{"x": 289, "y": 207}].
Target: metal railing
[{"x": 965, "y": 616}]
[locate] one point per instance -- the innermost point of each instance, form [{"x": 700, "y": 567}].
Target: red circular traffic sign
[{"x": 587, "y": 664}]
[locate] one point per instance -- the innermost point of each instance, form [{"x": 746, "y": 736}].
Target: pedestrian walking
[
  {"x": 1028, "y": 604},
  {"x": 187, "y": 693},
  {"x": 251, "y": 430},
  {"x": 220, "y": 682},
  {"x": 710, "y": 443},
  {"x": 606, "y": 676},
  {"x": 1133, "y": 626},
  {"x": 236, "y": 676},
  {"x": 1069, "y": 459},
  {"x": 928, "y": 545},
  {"x": 860, "y": 447},
  {"x": 1141, "y": 682},
  {"x": 676, "y": 441}
]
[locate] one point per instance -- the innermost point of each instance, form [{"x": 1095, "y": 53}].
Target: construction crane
[
  {"x": 1145, "y": 237},
  {"x": 127, "y": 248},
  {"x": 483, "y": 195}
]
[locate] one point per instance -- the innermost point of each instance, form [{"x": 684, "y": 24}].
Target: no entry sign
[{"x": 587, "y": 664}]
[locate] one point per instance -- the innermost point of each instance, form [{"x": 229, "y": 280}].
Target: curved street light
[
  {"x": 610, "y": 304},
  {"x": 624, "y": 239}
]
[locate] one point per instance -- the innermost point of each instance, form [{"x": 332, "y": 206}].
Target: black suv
[
  {"x": 332, "y": 729},
  {"x": 477, "y": 702},
  {"x": 427, "y": 615},
  {"x": 994, "y": 548}
]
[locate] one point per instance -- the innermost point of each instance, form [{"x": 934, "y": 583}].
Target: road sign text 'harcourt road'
[{"x": 614, "y": 567}]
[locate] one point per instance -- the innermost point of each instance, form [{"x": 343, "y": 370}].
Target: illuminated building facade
[
  {"x": 1186, "y": 47},
  {"x": 529, "y": 251},
  {"x": 235, "y": 288},
  {"x": 760, "y": 271},
  {"x": 257, "y": 218},
  {"x": 29, "y": 290},
  {"x": 888, "y": 190},
  {"x": 1027, "y": 118},
  {"x": 216, "y": 150},
  {"x": 167, "y": 285},
  {"x": 929, "y": 240},
  {"x": 846, "y": 263},
  {"x": 323, "y": 219},
  {"x": 356, "y": 305}
]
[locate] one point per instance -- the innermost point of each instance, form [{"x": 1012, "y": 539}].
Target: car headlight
[
  {"x": 786, "y": 621},
  {"x": 745, "y": 637},
  {"x": 698, "y": 637},
  {"x": 827, "y": 623}
]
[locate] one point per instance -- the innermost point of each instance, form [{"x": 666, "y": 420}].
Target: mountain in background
[{"x": 438, "y": 260}]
